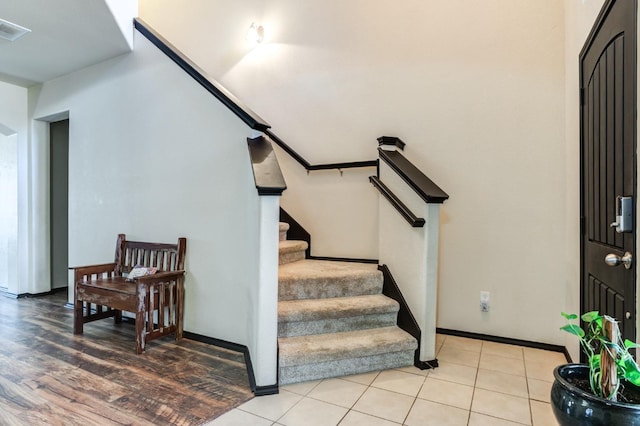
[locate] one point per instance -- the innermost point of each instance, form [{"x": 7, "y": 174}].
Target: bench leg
[
  {"x": 117, "y": 316},
  {"x": 78, "y": 320},
  {"x": 180, "y": 309},
  {"x": 140, "y": 332},
  {"x": 141, "y": 314}
]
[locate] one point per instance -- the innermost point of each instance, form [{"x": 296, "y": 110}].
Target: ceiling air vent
[{"x": 10, "y": 31}]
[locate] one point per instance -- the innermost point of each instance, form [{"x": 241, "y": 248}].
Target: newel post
[{"x": 270, "y": 184}]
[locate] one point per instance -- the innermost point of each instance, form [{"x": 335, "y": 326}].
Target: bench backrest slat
[{"x": 164, "y": 257}]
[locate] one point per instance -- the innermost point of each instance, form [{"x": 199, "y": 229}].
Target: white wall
[
  {"x": 217, "y": 47},
  {"x": 154, "y": 156},
  {"x": 122, "y": 11},
  {"x": 13, "y": 122},
  {"x": 476, "y": 89}
]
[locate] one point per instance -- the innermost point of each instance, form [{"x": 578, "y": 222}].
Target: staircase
[{"x": 333, "y": 319}]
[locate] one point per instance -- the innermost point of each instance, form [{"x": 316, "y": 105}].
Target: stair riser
[
  {"x": 335, "y": 325},
  {"x": 322, "y": 289},
  {"x": 302, "y": 350},
  {"x": 283, "y": 228},
  {"x": 344, "y": 367},
  {"x": 290, "y": 257}
]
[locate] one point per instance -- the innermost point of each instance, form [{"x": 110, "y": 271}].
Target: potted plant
[{"x": 605, "y": 391}]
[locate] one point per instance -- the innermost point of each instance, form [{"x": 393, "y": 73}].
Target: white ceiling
[{"x": 66, "y": 35}]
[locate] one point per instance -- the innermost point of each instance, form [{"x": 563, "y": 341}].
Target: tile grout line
[
  {"x": 289, "y": 409},
  {"x": 253, "y": 414},
  {"x": 415, "y": 398},
  {"x": 524, "y": 358},
  {"x": 475, "y": 387},
  {"x": 475, "y": 382},
  {"x": 358, "y": 399},
  {"x": 369, "y": 386}
]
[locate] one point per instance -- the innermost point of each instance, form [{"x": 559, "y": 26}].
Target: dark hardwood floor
[{"x": 49, "y": 376}]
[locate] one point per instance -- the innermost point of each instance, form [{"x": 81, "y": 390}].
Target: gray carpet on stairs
[{"x": 333, "y": 319}]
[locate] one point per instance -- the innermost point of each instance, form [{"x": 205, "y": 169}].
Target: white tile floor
[{"x": 478, "y": 383}]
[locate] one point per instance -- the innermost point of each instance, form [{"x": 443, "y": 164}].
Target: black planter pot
[{"x": 575, "y": 407}]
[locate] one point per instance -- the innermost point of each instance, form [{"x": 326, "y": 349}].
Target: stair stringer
[{"x": 406, "y": 320}]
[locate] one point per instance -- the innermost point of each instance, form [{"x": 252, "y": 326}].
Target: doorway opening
[
  {"x": 59, "y": 202},
  {"x": 8, "y": 209}
]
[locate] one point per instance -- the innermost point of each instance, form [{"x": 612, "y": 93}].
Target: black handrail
[
  {"x": 243, "y": 112},
  {"x": 310, "y": 167},
  {"x": 408, "y": 215},
  {"x": 266, "y": 170},
  {"x": 418, "y": 181}
]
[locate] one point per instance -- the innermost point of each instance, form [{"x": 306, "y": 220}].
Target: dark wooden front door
[{"x": 608, "y": 169}]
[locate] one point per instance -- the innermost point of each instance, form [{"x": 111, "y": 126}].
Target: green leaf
[
  {"x": 598, "y": 321},
  {"x": 591, "y": 316},
  {"x": 573, "y": 329},
  {"x": 631, "y": 370},
  {"x": 569, "y": 316},
  {"x": 630, "y": 345}
]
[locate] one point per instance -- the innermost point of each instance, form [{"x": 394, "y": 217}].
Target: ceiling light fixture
[
  {"x": 255, "y": 34},
  {"x": 10, "y": 31}
]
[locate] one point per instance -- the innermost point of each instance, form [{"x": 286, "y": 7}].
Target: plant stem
[{"x": 608, "y": 355}]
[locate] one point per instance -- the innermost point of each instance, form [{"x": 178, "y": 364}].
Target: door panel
[{"x": 608, "y": 169}]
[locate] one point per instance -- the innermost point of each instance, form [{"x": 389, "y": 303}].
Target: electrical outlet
[{"x": 484, "y": 301}]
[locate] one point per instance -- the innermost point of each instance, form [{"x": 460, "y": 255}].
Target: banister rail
[
  {"x": 424, "y": 187},
  {"x": 414, "y": 221},
  {"x": 243, "y": 112},
  {"x": 418, "y": 181},
  {"x": 311, "y": 167}
]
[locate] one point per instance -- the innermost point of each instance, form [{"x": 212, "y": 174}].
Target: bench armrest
[
  {"x": 94, "y": 269},
  {"x": 160, "y": 277}
]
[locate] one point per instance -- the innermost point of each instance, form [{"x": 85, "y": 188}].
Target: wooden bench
[{"x": 157, "y": 300}]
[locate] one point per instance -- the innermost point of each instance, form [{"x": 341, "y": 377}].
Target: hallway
[{"x": 49, "y": 376}]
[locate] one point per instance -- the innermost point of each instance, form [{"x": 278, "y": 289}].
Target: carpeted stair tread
[
  {"x": 288, "y": 246},
  {"x": 337, "y": 314},
  {"x": 335, "y": 308},
  {"x": 291, "y": 251},
  {"x": 309, "y": 279},
  {"x": 320, "y": 348}
]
